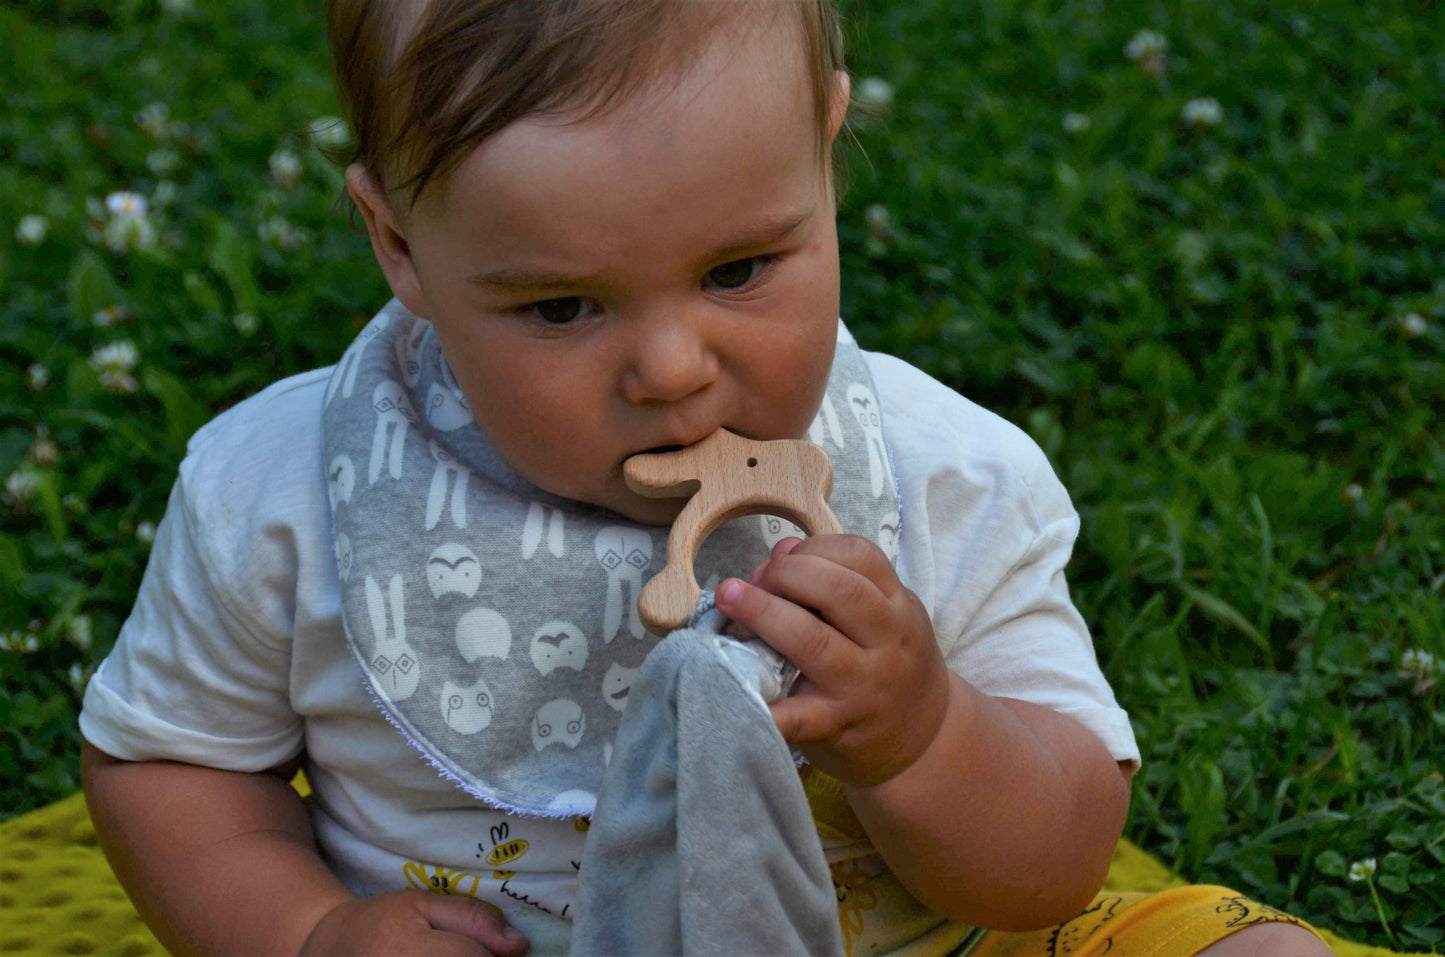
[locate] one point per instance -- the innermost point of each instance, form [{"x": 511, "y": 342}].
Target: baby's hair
[{"x": 424, "y": 82}]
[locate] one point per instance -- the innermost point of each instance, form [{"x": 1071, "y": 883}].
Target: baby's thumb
[{"x": 476, "y": 921}]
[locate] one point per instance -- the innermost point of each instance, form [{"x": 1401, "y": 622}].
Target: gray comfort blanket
[{"x": 702, "y": 842}]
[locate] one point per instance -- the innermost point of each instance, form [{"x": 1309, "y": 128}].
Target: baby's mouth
[{"x": 685, "y": 443}]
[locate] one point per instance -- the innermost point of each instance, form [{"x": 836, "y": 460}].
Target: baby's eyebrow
[
  {"x": 531, "y": 280},
  {"x": 762, "y": 234},
  {"x": 745, "y": 242}
]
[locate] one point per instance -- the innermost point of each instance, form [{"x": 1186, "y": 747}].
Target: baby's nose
[{"x": 670, "y": 361}]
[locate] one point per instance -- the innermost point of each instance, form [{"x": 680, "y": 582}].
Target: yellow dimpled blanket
[{"x": 58, "y": 896}]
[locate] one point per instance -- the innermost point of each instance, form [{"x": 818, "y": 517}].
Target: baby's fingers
[
  {"x": 818, "y": 650},
  {"x": 474, "y": 920},
  {"x": 804, "y": 718}
]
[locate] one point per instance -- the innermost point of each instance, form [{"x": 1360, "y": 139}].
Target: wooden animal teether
[{"x": 727, "y": 476}]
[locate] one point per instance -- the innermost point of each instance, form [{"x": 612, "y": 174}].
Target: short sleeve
[
  {"x": 987, "y": 530},
  {"x": 202, "y": 671},
  {"x": 186, "y": 680},
  {"x": 1024, "y": 638}
]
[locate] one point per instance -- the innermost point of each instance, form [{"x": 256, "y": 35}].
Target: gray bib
[{"x": 496, "y": 624}]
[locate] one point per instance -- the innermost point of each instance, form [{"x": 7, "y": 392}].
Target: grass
[{"x": 1229, "y": 338}]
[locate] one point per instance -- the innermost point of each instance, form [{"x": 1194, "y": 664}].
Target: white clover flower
[
  {"x": 878, "y": 218},
  {"x": 873, "y": 95},
  {"x": 329, "y": 132},
  {"x": 163, "y": 162},
  {"x": 129, "y": 232},
  {"x": 27, "y": 643},
  {"x": 879, "y": 221},
  {"x": 286, "y": 169},
  {"x": 155, "y": 119},
  {"x": 125, "y": 203},
  {"x": 78, "y": 632},
  {"x": 31, "y": 229},
  {"x": 1417, "y": 661},
  {"x": 246, "y": 323},
  {"x": 1146, "y": 43},
  {"x": 113, "y": 364},
  {"x": 1076, "y": 124},
  {"x": 1191, "y": 247},
  {"x": 145, "y": 532},
  {"x": 1352, "y": 493},
  {"x": 1412, "y": 324},
  {"x": 37, "y": 376},
  {"x": 109, "y": 316},
  {"x": 121, "y": 355},
  {"x": 129, "y": 225},
  {"x": 44, "y": 452},
  {"x": 21, "y": 486},
  {"x": 1150, "y": 50},
  {"x": 1362, "y": 870},
  {"x": 282, "y": 234},
  {"x": 1421, "y": 667},
  {"x": 1202, "y": 111},
  {"x": 121, "y": 383}
]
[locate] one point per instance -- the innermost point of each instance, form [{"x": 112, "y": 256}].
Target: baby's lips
[{"x": 683, "y": 440}]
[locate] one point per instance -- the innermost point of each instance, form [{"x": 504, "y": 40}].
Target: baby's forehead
[{"x": 456, "y": 72}]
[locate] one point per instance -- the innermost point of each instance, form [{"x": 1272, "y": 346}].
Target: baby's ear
[
  {"x": 838, "y": 102},
  {"x": 388, "y": 241}
]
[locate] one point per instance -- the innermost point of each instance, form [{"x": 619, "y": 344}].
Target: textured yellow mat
[{"x": 57, "y": 895}]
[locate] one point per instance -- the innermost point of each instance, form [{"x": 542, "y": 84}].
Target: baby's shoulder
[
  {"x": 274, "y": 433},
  {"x": 257, "y": 466},
  {"x": 276, "y": 411},
  {"x": 932, "y": 427}
]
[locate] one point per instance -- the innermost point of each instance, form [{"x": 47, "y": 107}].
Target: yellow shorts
[
  {"x": 875, "y": 910},
  {"x": 1178, "y": 922}
]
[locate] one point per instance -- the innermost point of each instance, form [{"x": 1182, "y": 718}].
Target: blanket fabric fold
[{"x": 702, "y": 841}]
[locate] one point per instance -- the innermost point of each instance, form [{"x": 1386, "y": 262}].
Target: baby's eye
[
  {"x": 559, "y": 312},
  {"x": 738, "y": 273}
]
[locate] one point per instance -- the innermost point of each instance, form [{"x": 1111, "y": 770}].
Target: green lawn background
[{"x": 1205, "y": 269}]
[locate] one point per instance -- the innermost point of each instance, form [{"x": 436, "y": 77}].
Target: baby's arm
[
  {"x": 1008, "y": 819},
  {"x": 225, "y": 862},
  {"x": 990, "y": 810}
]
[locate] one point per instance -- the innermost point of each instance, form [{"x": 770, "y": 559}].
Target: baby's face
[{"x": 638, "y": 279}]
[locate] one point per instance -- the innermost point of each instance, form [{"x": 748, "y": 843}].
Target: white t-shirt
[{"x": 234, "y": 656}]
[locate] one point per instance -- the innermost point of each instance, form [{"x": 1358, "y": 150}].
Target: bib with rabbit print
[{"x": 496, "y": 624}]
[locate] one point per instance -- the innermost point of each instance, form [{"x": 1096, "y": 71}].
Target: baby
[{"x": 609, "y": 229}]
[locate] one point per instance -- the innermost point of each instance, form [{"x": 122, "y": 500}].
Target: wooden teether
[{"x": 727, "y": 476}]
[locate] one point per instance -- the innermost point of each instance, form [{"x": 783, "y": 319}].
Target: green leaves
[
  {"x": 182, "y": 413},
  {"x": 89, "y": 287},
  {"x": 1206, "y": 328},
  {"x": 139, "y": 137},
  {"x": 234, "y": 261}
]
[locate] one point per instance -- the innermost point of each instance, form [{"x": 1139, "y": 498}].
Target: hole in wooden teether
[{"x": 752, "y": 463}]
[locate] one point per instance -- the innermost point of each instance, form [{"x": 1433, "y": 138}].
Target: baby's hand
[
  {"x": 413, "y": 922},
  {"x": 874, "y": 687}
]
